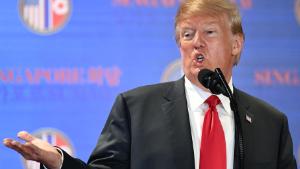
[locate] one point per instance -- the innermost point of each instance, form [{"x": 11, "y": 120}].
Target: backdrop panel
[{"x": 63, "y": 63}]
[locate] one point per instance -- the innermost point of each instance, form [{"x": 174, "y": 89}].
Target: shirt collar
[{"x": 196, "y": 96}]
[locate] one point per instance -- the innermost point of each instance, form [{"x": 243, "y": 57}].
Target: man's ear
[{"x": 237, "y": 44}]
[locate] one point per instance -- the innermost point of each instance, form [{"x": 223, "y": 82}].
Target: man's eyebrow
[
  {"x": 187, "y": 28},
  {"x": 212, "y": 23}
]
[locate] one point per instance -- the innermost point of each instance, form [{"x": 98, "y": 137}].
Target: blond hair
[{"x": 190, "y": 8}]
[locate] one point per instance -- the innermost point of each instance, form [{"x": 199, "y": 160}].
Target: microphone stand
[{"x": 238, "y": 128}]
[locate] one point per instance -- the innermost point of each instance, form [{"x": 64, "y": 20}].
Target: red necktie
[{"x": 213, "y": 147}]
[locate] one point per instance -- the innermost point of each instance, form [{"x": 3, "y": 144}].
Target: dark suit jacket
[{"x": 148, "y": 128}]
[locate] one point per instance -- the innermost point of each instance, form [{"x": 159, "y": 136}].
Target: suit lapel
[{"x": 177, "y": 120}]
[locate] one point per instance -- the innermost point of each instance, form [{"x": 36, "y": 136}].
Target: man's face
[{"x": 207, "y": 42}]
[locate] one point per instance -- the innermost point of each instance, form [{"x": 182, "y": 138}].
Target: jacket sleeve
[
  {"x": 113, "y": 148},
  {"x": 286, "y": 159}
]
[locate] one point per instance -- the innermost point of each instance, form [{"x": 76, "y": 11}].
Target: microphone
[
  {"x": 211, "y": 81},
  {"x": 216, "y": 83}
]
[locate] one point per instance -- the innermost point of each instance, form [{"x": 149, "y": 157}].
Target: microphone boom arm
[{"x": 234, "y": 107}]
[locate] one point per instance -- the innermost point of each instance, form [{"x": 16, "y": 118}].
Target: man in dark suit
[{"x": 162, "y": 126}]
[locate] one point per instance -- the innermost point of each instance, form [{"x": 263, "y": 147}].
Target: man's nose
[{"x": 198, "y": 42}]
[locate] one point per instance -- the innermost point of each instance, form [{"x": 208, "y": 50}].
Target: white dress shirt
[{"x": 197, "y": 108}]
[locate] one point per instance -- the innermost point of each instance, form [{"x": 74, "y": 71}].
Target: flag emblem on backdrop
[
  {"x": 45, "y": 16},
  {"x": 55, "y": 138}
]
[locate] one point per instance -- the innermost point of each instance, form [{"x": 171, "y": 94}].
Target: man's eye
[
  {"x": 210, "y": 32},
  {"x": 188, "y": 35}
]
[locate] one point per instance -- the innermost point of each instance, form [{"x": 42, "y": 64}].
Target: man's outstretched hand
[{"x": 35, "y": 149}]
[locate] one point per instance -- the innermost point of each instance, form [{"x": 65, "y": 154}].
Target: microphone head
[
  {"x": 205, "y": 77},
  {"x": 209, "y": 80}
]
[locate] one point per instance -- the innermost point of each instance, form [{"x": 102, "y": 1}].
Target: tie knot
[{"x": 212, "y": 101}]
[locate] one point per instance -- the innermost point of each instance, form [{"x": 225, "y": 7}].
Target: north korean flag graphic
[{"x": 45, "y": 16}]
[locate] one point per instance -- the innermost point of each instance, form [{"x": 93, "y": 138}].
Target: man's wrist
[
  {"x": 62, "y": 156},
  {"x": 59, "y": 150}
]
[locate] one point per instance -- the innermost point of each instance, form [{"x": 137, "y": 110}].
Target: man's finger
[
  {"x": 13, "y": 145},
  {"x": 24, "y": 150},
  {"x": 25, "y": 136},
  {"x": 7, "y": 141}
]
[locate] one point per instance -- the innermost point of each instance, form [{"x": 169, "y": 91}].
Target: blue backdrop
[{"x": 63, "y": 63}]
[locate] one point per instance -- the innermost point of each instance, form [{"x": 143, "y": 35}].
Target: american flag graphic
[{"x": 45, "y": 16}]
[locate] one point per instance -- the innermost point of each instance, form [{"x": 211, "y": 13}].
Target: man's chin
[{"x": 193, "y": 77}]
